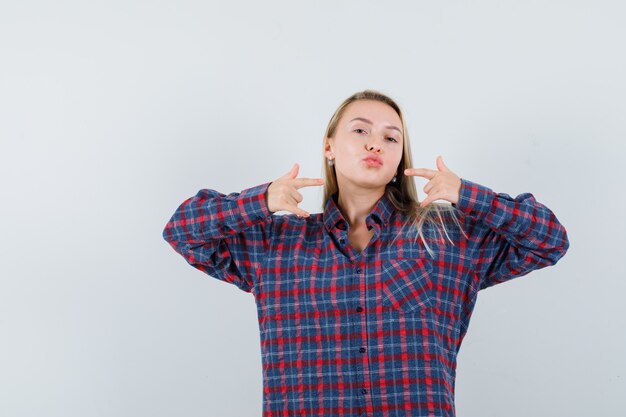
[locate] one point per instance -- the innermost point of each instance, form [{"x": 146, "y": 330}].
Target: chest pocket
[{"x": 407, "y": 284}]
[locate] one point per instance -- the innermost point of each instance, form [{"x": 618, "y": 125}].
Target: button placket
[{"x": 358, "y": 271}]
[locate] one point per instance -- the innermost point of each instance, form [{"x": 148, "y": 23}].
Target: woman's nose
[
  {"x": 374, "y": 143},
  {"x": 373, "y": 146}
]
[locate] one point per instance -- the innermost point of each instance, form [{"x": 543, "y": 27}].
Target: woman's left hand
[{"x": 444, "y": 184}]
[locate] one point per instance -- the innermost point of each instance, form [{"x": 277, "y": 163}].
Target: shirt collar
[{"x": 381, "y": 213}]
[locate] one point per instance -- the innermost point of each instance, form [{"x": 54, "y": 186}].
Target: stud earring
[
  {"x": 393, "y": 179},
  {"x": 330, "y": 162}
]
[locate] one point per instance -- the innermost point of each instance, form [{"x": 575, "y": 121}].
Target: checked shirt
[{"x": 375, "y": 333}]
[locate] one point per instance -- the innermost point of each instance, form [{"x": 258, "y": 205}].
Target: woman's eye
[{"x": 358, "y": 130}]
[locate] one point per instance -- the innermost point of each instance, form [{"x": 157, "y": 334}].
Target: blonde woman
[{"x": 362, "y": 307}]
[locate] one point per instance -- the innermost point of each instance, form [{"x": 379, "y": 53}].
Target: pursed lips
[{"x": 373, "y": 158}]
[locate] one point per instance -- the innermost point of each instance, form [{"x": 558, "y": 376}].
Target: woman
[{"x": 362, "y": 308}]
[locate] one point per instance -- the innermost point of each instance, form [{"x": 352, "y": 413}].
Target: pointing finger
[
  {"x": 308, "y": 182},
  {"x": 422, "y": 172}
]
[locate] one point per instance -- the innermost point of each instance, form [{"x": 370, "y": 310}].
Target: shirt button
[
  {"x": 362, "y": 350},
  {"x": 342, "y": 240},
  {"x": 359, "y": 309},
  {"x": 364, "y": 391},
  {"x": 358, "y": 270}
]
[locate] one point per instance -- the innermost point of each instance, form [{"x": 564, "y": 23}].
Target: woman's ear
[{"x": 328, "y": 150}]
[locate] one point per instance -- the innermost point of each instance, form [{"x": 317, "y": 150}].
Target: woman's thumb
[{"x": 293, "y": 173}]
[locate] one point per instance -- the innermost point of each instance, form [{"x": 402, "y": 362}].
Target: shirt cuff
[
  {"x": 474, "y": 199},
  {"x": 252, "y": 204}
]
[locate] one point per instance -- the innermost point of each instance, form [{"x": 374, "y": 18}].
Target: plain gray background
[{"x": 112, "y": 113}]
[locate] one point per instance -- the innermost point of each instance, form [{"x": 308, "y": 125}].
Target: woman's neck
[{"x": 355, "y": 206}]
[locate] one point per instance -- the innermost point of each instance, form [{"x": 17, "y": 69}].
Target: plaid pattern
[{"x": 362, "y": 334}]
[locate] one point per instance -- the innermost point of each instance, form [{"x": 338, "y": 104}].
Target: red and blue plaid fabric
[{"x": 374, "y": 333}]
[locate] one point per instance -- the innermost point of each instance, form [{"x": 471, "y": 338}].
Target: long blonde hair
[{"x": 402, "y": 193}]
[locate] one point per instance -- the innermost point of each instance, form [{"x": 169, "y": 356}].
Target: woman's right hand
[{"x": 282, "y": 194}]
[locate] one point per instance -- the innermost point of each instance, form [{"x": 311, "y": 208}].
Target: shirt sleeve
[
  {"x": 225, "y": 236},
  {"x": 509, "y": 237}
]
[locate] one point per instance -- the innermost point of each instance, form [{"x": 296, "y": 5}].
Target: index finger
[
  {"x": 308, "y": 182},
  {"x": 422, "y": 172}
]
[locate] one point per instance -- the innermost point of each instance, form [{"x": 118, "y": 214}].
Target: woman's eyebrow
[{"x": 370, "y": 122}]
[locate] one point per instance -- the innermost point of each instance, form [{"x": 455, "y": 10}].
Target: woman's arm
[
  {"x": 225, "y": 236},
  {"x": 509, "y": 237}
]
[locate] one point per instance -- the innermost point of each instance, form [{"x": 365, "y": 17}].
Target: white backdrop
[{"x": 112, "y": 113}]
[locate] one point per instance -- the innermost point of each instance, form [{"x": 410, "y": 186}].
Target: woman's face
[{"x": 367, "y": 128}]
